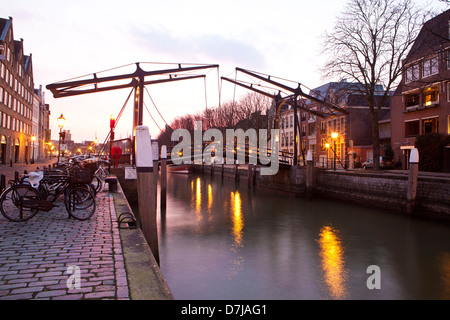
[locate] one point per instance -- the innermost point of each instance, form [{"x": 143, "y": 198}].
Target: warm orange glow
[
  {"x": 334, "y": 135},
  {"x": 444, "y": 268},
  {"x": 61, "y": 121},
  {"x": 238, "y": 221},
  {"x": 210, "y": 197},
  {"x": 33, "y": 138},
  {"x": 327, "y": 145},
  {"x": 333, "y": 264}
]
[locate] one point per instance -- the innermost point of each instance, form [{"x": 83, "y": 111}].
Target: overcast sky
[{"x": 72, "y": 38}]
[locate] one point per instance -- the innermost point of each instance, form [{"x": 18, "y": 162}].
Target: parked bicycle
[{"x": 39, "y": 190}]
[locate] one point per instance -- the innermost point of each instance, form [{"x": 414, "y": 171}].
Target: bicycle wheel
[
  {"x": 13, "y": 202},
  {"x": 96, "y": 183},
  {"x": 80, "y": 202},
  {"x": 102, "y": 173}
]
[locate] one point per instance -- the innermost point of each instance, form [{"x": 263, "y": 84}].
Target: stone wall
[{"x": 385, "y": 190}]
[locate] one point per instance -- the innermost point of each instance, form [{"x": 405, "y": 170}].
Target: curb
[{"x": 145, "y": 280}]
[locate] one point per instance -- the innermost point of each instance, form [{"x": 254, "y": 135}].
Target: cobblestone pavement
[{"x": 43, "y": 257}]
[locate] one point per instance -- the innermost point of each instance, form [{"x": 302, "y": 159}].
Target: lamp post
[
  {"x": 112, "y": 123},
  {"x": 33, "y": 138},
  {"x": 327, "y": 146},
  {"x": 61, "y": 121},
  {"x": 334, "y": 135},
  {"x": 95, "y": 145}
]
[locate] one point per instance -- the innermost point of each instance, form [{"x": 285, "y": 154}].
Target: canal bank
[
  {"x": 386, "y": 190},
  {"x": 145, "y": 280}
]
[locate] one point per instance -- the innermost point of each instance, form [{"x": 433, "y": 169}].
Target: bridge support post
[
  {"x": 412, "y": 180},
  {"x": 146, "y": 189},
  {"x": 309, "y": 175},
  {"x": 163, "y": 176}
]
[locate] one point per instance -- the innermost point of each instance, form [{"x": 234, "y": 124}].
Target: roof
[
  {"x": 4, "y": 27},
  {"x": 433, "y": 36},
  {"x": 342, "y": 92}
]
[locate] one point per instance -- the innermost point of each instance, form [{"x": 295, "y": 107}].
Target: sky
[{"x": 73, "y": 38}]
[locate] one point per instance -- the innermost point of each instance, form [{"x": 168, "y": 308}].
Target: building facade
[
  {"x": 421, "y": 103},
  {"x": 344, "y": 137},
  {"x": 41, "y": 125},
  {"x": 16, "y": 97}
]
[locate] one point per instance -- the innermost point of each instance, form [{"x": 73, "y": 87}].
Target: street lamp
[
  {"x": 61, "y": 121},
  {"x": 33, "y": 138},
  {"x": 112, "y": 124},
  {"x": 95, "y": 145},
  {"x": 327, "y": 146},
  {"x": 334, "y": 135}
]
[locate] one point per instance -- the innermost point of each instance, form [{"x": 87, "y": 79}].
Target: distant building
[
  {"x": 421, "y": 103},
  {"x": 16, "y": 97},
  {"x": 41, "y": 125}
]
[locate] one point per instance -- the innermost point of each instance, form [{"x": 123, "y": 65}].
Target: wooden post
[
  {"x": 155, "y": 153},
  {"x": 309, "y": 175},
  {"x": 412, "y": 180},
  {"x": 146, "y": 188},
  {"x": 163, "y": 176}
]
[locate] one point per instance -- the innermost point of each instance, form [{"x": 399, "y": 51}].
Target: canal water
[{"x": 220, "y": 241}]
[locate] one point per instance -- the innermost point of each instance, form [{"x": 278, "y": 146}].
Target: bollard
[
  {"x": 146, "y": 188},
  {"x": 309, "y": 175},
  {"x": 155, "y": 153},
  {"x": 163, "y": 176},
  {"x": 412, "y": 180}
]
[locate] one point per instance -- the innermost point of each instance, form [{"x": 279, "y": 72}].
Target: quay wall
[{"x": 383, "y": 190}]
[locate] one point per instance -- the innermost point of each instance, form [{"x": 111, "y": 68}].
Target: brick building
[
  {"x": 16, "y": 97},
  {"x": 421, "y": 103},
  {"x": 354, "y": 130}
]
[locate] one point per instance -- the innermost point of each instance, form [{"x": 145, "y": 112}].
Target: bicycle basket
[{"x": 81, "y": 175}]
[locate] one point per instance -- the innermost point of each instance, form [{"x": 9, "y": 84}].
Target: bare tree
[{"x": 367, "y": 46}]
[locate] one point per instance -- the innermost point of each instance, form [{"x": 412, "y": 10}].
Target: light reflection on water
[
  {"x": 333, "y": 264},
  {"x": 218, "y": 241}
]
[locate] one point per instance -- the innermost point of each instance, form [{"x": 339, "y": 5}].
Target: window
[
  {"x": 431, "y": 95},
  {"x": 412, "y": 128},
  {"x": 412, "y": 99},
  {"x": 430, "y": 125},
  {"x": 412, "y": 73},
  {"x": 312, "y": 129},
  {"x": 343, "y": 125},
  {"x": 448, "y": 92},
  {"x": 430, "y": 67},
  {"x": 448, "y": 124},
  {"x": 323, "y": 127}
]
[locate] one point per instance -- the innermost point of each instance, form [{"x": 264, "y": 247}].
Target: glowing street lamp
[
  {"x": 327, "y": 146},
  {"x": 61, "y": 121},
  {"x": 334, "y": 135},
  {"x": 95, "y": 145},
  {"x": 112, "y": 124}
]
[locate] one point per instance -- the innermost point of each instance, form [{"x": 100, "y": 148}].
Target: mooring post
[
  {"x": 412, "y": 180},
  {"x": 146, "y": 188},
  {"x": 163, "y": 176},
  {"x": 309, "y": 175},
  {"x": 155, "y": 153}
]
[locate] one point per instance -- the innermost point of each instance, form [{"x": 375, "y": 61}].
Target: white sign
[{"x": 130, "y": 173}]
